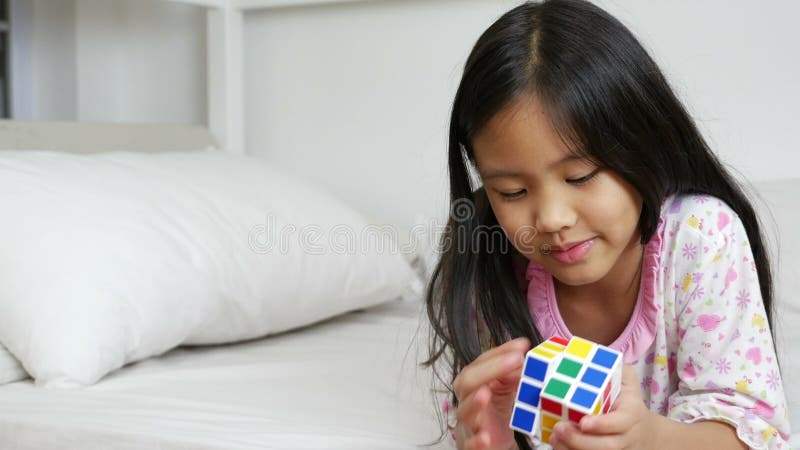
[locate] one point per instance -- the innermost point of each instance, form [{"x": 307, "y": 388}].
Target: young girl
[{"x": 618, "y": 224}]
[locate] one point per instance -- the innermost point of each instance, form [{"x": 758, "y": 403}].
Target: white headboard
[
  {"x": 225, "y": 62},
  {"x": 86, "y": 137}
]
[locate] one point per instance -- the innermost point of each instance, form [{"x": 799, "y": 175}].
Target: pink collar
[{"x": 637, "y": 336}]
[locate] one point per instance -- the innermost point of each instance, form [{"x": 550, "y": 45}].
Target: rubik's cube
[{"x": 565, "y": 380}]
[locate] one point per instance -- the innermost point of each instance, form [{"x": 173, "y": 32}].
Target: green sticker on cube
[
  {"x": 569, "y": 368},
  {"x": 557, "y": 388}
]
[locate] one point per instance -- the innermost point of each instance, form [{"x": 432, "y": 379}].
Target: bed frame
[
  {"x": 89, "y": 137},
  {"x": 224, "y": 22}
]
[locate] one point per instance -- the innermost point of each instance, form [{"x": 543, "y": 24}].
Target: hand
[
  {"x": 629, "y": 424},
  {"x": 485, "y": 390}
]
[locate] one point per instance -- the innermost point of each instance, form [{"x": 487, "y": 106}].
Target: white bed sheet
[{"x": 348, "y": 383}]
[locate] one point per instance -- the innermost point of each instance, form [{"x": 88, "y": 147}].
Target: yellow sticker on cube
[
  {"x": 551, "y": 346},
  {"x": 579, "y": 347},
  {"x": 549, "y": 421},
  {"x": 539, "y": 351}
]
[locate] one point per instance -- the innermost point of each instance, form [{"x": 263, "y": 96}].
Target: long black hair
[{"x": 611, "y": 104}]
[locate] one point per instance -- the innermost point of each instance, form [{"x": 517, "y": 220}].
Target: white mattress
[{"x": 349, "y": 383}]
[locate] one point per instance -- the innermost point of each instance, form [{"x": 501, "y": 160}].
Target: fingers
[
  {"x": 469, "y": 411},
  {"x": 492, "y": 373},
  {"x": 567, "y": 436},
  {"x": 514, "y": 345},
  {"x": 627, "y": 409},
  {"x": 498, "y": 363},
  {"x": 612, "y": 423}
]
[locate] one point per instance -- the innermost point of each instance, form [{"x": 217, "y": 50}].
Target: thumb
[
  {"x": 512, "y": 375},
  {"x": 629, "y": 376}
]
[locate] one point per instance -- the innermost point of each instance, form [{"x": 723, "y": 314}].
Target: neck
[
  {"x": 613, "y": 298},
  {"x": 618, "y": 290}
]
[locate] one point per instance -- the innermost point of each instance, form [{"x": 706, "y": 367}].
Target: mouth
[
  {"x": 572, "y": 252},
  {"x": 566, "y": 247}
]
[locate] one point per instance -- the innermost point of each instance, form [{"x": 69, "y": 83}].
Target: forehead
[{"x": 519, "y": 136}]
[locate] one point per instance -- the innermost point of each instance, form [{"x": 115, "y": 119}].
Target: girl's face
[{"x": 577, "y": 220}]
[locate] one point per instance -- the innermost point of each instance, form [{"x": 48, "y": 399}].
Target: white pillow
[{"x": 111, "y": 258}]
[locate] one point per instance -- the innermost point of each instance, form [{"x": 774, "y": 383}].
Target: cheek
[
  {"x": 518, "y": 231},
  {"x": 616, "y": 207},
  {"x": 510, "y": 217},
  {"x": 621, "y": 213}
]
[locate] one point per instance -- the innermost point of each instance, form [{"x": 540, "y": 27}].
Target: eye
[
  {"x": 512, "y": 195},
  {"x": 583, "y": 180}
]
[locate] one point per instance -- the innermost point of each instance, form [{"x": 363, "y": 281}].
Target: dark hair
[{"x": 610, "y": 103}]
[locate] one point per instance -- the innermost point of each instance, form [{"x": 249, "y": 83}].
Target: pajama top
[{"x": 698, "y": 337}]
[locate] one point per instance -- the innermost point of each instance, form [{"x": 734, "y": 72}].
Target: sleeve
[{"x": 727, "y": 367}]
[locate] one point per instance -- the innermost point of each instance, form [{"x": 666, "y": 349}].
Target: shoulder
[{"x": 699, "y": 220}]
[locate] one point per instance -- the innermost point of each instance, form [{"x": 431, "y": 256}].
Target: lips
[
  {"x": 565, "y": 247},
  {"x": 572, "y": 252}
]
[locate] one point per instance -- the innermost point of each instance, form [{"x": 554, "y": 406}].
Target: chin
[{"x": 578, "y": 275}]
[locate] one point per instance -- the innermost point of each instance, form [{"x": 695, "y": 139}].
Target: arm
[
  {"x": 631, "y": 425},
  {"x": 698, "y": 435},
  {"x": 726, "y": 363}
]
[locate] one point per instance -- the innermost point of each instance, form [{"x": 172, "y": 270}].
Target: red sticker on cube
[
  {"x": 551, "y": 406},
  {"x": 575, "y": 416}
]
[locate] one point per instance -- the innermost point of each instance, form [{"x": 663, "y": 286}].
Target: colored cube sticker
[{"x": 565, "y": 380}]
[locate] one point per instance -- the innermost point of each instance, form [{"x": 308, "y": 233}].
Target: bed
[
  {"x": 348, "y": 379},
  {"x": 348, "y": 383}
]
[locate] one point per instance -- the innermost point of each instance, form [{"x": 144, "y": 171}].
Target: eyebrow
[{"x": 510, "y": 173}]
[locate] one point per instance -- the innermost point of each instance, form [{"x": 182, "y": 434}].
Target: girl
[{"x": 602, "y": 213}]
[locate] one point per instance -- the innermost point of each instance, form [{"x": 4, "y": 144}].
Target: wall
[
  {"x": 141, "y": 61},
  {"x": 118, "y": 60},
  {"x": 356, "y": 96},
  {"x": 53, "y": 74}
]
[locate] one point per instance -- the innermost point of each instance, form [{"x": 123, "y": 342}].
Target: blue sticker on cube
[
  {"x": 529, "y": 394},
  {"x": 535, "y": 369},
  {"x": 523, "y": 419},
  {"x": 604, "y": 358},
  {"x": 593, "y": 377},
  {"x": 583, "y": 397}
]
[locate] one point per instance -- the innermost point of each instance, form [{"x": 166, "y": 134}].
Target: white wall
[
  {"x": 373, "y": 82},
  {"x": 53, "y": 87},
  {"x": 119, "y": 61},
  {"x": 140, "y": 61},
  {"x": 735, "y": 65},
  {"x": 356, "y": 96}
]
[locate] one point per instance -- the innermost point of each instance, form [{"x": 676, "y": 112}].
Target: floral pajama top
[{"x": 698, "y": 337}]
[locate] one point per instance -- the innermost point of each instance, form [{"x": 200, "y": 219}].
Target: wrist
[{"x": 661, "y": 429}]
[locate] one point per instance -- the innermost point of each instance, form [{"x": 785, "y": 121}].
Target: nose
[{"x": 554, "y": 214}]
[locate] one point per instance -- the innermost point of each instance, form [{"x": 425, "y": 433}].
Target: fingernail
[{"x": 553, "y": 438}]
